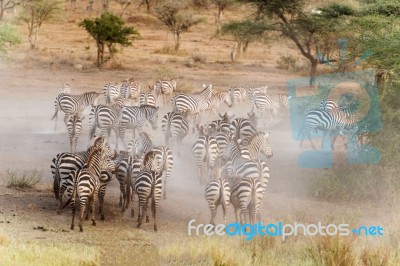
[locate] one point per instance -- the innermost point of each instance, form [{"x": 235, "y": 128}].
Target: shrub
[
  {"x": 24, "y": 179},
  {"x": 287, "y": 62}
]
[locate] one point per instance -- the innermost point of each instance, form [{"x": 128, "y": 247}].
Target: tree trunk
[
  {"x": 177, "y": 41},
  {"x": 100, "y": 54},
  {"x": 110, "y": 49},
  {"x": 1, "y": 11},
  {"x": 313, "y": 72},
  {"x": 219, "y": 17},
  {"x": 245, "y": 46}
]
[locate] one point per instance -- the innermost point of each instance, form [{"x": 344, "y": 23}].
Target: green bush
[
  {"x": 22, "y": 180},
  {"x": 287, "y": 62}
]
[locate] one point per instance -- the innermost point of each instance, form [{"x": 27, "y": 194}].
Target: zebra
[
  {"x": 238, "y": 95},
  {"x": 127, "y": 170},
  {"x": 65, "y": 163},
  {"x": 258, "y": 143},
  {"x": 104, "y": 117},
  {"x": 218, "y": 192},
  {"x": 87, "y": 180},
  {"x": 244, "y": 128},
  {"x": 217, "y": 99},
  {"x": 134, "y": 117},
  {"x": 105, "y": 178},
  {"x": 69, "y": 104},
  {"x": 74, "y": 128},
  {"x": 165, "y": 160},
  {"x": 333, "y": 121},
  {"x": 246, "y": 196},
  {"x": 140, "y": 146},
  {"x": 192, "y": 103},
  {"x": 149, "y": 186},
  {"x": 205, "y": 151},
  {"x": 327, "y": 105},
  {"x": 130, "y": 89},
  {"x": 147, "y": 98},
  {"x": 66, "y": 88},
  {"x": 111, "y": 92},
  {"x": 175, "y": 127},
  {"x": 262, "y": 102},
  {"x": 255, "y": 90},
  {"x": 221, "y": 125},
  {"x": 165, "y": 87}
]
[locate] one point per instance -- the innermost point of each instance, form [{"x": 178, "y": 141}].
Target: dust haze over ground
[{"x": 28, "y": 141}]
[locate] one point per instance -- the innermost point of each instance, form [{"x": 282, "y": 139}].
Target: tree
[
  {"x": 8, "y": 38},
  {"x": 7, "y": 5},
  {"x": 244, "y": 32},
  {"x": 124, "y": 5},
  {"x": 304, "y": 28},
  {"x": 35, "y": 13},
  {"x": 171, "y": 15},
  {"x": 108, "y": 30},
  {"x": 221, "y": 6}
]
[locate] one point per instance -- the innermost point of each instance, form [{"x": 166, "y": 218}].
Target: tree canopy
[{"x": 108, "y": 30}]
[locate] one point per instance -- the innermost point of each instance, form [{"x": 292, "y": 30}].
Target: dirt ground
[{"x": 28, "y": 141}]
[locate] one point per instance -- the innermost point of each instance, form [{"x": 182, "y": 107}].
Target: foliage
[
  {"x": 384, "y": 8},
  {"x": 108, "y": 30},
  {"x": 245, "y": 32},
  {"x": 171, "y": 15},
  {"x": 35, "y": 13},
  {"x": 287, "y": 62},
  {"x": 7, "y": 5},
  {"x": 22, "y": 180},
  {"x": 8, "y": 38},
  {"x": 221, "y": 6}
]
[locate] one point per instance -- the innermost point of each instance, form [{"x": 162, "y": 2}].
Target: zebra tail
[
  {"x": 128, "y": 183},
  {"x": 56, "y": 112},
  {"x": 56, "y": 184},
  {"x": 153, "y": 200},
  {"x": 73, "y": 196}
]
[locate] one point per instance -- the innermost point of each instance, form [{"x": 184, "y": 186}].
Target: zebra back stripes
[
  {"x": 74, "y": 128},
  {"x": 175, "y": 127},
  {"x": 104, "y": 117},
  {"x": 147, "y": 98},
  {"x": 111, "y": 92},
  {"x": 205, "y": 151},
  {"x": 166, "y": 88},
  {"x": 218, "y": 192}
]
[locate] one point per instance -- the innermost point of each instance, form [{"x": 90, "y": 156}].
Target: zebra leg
[
  {"x": 147, "y": 216},
  {"x": 142, "y": 211},
  {"x": 72, "y": 204},
  {"x": 213, "y": 214},
  {"x": 89, "y": 208},
  {"x": 224, "y": 211},
  {"x": 82, "y": 204},
  {"x": 71, "y": 144},
  {"x": 153, "y": 210},
  {"x": 236, "y": 210},
  {"x": 94, "y": 199},
  {"x": 101, "y": 203}
]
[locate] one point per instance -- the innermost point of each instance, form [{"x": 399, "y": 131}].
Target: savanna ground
[{"x": 31, "y": 233}]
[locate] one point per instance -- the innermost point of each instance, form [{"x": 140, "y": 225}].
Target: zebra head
[
  {"x": 151, "y": 115},
  {"x": 232, "y": 150},
  {"x": 152, "y": 163},
  {"x": 261, "y": 139}
]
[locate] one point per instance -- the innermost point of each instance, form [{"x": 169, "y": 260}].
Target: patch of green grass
[{"x": 23, "y": 179}]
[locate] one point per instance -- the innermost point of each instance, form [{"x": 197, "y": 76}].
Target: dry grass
[{"x": 23, "y": 179}]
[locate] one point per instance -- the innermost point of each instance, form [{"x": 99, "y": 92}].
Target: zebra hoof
[
  {"x": 102, "y": 218},
  {"x": 93, "y": 223},
  {"x": 147, "y": 219},
  {"x": 120, "y": 204},
  {"x": 80, "y": 229},
  {"x": 72, "y": 227},
  {"x": 132, "y": 213},
  {"x": 138, "y": 226},
  {"x": 87, "y": 218},
  {"x": 155, "y": 228},
  {"x": 58, "y": 212}
]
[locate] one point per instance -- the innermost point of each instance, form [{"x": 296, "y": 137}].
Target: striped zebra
[
  {"x": 327, "y": 105},
  {"x": 65, "y": 163},
  {"x": 74, "y": 128},
  {"x": 244, "y": 128},
  {"x": 175, "y": 127},
  {"x": 333, "y": 121},
  {"x": 166, "y": 88},
  {"x": 218, "y": 192},
  {"x": 165, "y": 160},
  {"x": 192, "y": 103},
  {"x": 255, "y": 90},
  {"x": 217, "y": 99},
  {"x": 130, "y": 89},
  {"x": 259, "y": 143},
  {"x": 147, "y": 98},
  {"x": 205, "y": 151},
  {"x": 221, "y": 125},
  {"x": 70, "y": 104},
  {"x": 238, "y": 95},
  {"x": 87, "y": 181},
  {"x": 106, "y": 176},
  {"x": 138, "y": 147},
  {"x": 246, "y": 197},
  {"x": 104, "y": 117},
  {"x": 263, "y": 102},
  {"x": 111, "y": 92},
  {"x": 127, "y": 170},
  {"x": 149, "y": 186},
  {"x": 134, "y": 117}
]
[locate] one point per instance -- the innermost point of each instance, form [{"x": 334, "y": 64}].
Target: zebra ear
[
  {"x": 204, "y": 86},
  {"x": 239, "y": 141}
]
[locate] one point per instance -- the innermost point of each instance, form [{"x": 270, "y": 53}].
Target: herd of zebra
[{"x": 227, "y": 151}]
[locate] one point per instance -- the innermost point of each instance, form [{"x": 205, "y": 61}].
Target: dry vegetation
[{"x": 65, "y": 48}]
